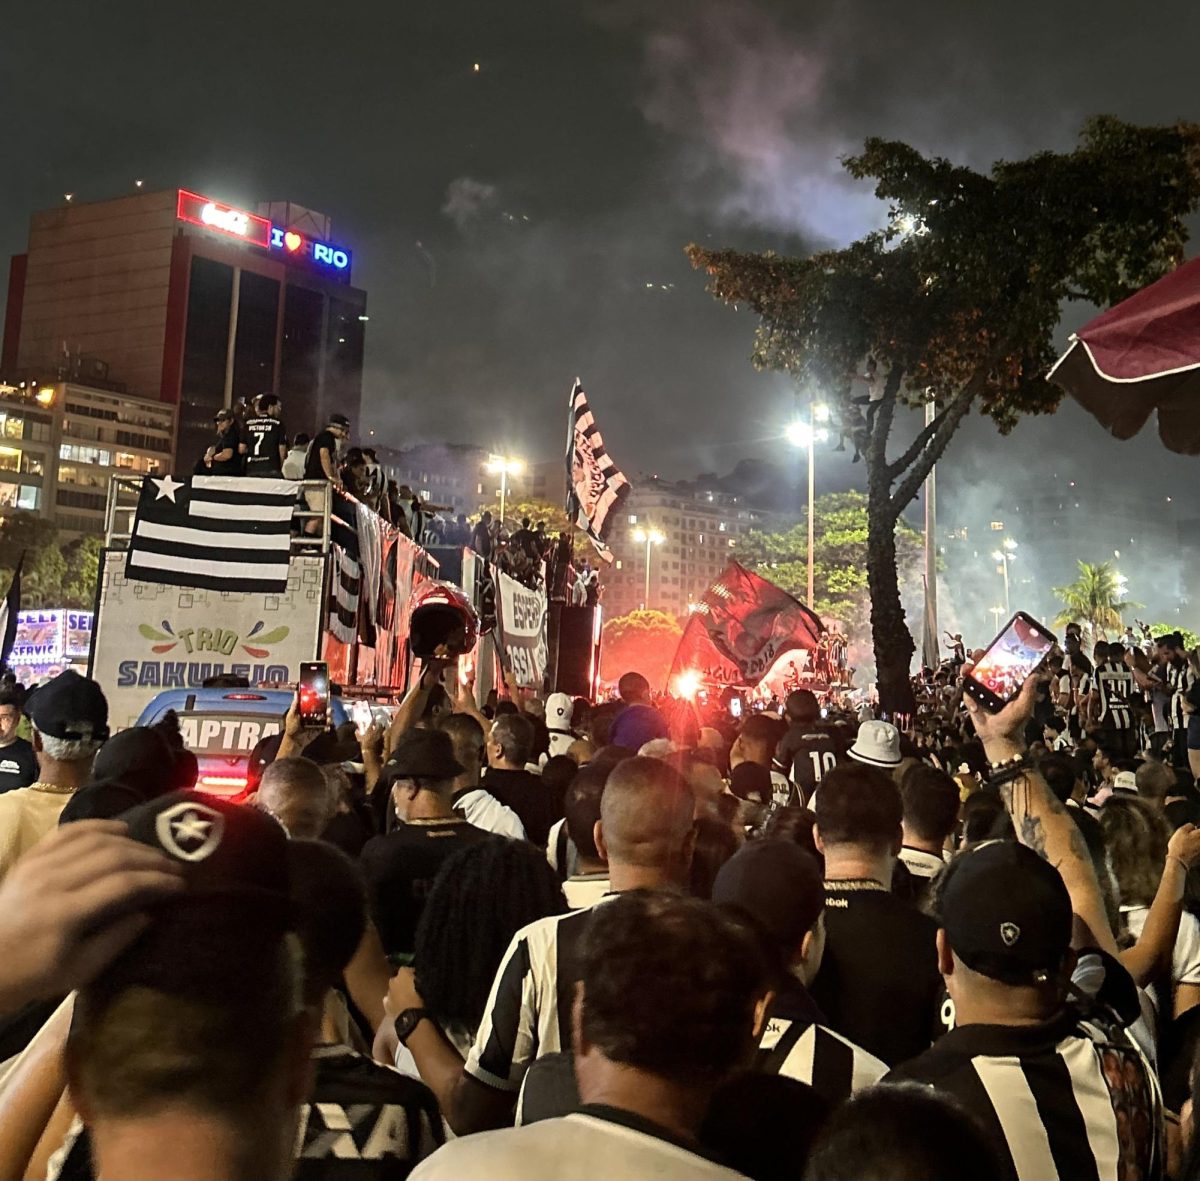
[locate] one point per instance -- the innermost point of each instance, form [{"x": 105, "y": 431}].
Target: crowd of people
[
  {"x": 252, "y": 440},
  {"x": 563, "y": 938}
]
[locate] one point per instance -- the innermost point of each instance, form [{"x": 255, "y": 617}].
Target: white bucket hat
[{"x": 877, "y": 745}]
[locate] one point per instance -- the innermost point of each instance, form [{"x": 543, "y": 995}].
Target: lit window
[{"x": 633, "y": 518}]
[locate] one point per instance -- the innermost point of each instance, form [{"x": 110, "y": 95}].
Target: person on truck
[
  {"x": 321, "y": 463},
  {"x": 266, "y": 438},
  {"x": 223, "y": 457}
]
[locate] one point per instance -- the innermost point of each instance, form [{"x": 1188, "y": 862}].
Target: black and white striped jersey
[
  {"x": 528, "y": 1012},
  {"x": 1061, "y": 1101},
  {"x": 813, "y": 1054},
  {"x": 1114, "y": 686},
  {"x": 1180, "y": 679}
]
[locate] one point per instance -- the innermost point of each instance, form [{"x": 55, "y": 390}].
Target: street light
[
  {"x": 805, "y": 433},
  {"x": 1003, "y": 556},
  {"x": 997, "y": 614},
  {"x": 504, "y": 466},
  {"x": 651, "y": 537}
]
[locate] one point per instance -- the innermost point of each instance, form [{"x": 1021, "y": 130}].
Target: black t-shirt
[
  {"x": 18, "y": 765},
  {"x": 806, "y": 754},
  {"x": 364, "y": 1121},
  {"x": 228, "y": 440},
  {"x": 528, "y": 797},
  {"x": 400, "y": 869},
  {"x": 264, "y": 437},
  {"x": 312, "y": 461},
  {"x": 879, "y": 984}
]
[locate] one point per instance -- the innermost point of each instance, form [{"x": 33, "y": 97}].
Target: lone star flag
[
  {"x": 218, "y": 532},
  {"x": 595, "y": 485},
  {"x": 741, "y": 627}
]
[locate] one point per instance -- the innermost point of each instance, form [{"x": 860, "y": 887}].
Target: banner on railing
[{"x": 521, "y": 622}]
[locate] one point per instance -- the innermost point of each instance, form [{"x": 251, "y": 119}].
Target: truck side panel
[{"x": 150, "y": 636}]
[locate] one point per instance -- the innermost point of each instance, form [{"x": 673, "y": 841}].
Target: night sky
[{"x": 520, "y": 223}]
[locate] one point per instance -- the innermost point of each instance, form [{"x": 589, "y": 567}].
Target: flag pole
[{"x": 932, "y": 654}]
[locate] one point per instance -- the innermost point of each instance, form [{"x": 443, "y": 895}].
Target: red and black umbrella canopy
[{"x": 1141, "y": 356}]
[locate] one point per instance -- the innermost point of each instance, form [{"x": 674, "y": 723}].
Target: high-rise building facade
[
  {"x": 186, "y": 300},
  {"x": 700, "y": 532}
]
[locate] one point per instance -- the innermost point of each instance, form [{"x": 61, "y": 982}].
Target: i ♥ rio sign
[{"x": 258, "y": 231}]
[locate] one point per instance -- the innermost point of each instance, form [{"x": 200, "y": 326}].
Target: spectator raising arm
[
  {"x": 413, "y": 705},
  {"x": 1040, "y": 820},
  {"x": 1149, "y": 959}
]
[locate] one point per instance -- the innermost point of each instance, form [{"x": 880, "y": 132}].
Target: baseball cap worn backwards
[{"x": 69, "y": 707}]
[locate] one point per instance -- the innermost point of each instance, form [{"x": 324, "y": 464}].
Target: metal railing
[{"x": 124, "y": 491}]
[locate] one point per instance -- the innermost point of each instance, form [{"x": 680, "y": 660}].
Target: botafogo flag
[
  {"x": 224, "y": 533},
  {"x": 595, "y": 485}
]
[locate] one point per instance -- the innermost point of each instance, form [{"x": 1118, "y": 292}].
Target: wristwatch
[{"x": 407, "y": 1021}]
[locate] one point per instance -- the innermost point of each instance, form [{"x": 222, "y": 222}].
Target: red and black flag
[{"x": 741, "y": 627}]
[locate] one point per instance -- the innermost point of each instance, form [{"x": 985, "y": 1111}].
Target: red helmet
[{"x": 442, "y": 621}]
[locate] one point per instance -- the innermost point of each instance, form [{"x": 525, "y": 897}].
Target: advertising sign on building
[{"x": 224, "y": 219}]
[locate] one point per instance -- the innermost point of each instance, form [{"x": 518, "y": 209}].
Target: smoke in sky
[{"x": 468, "y": 200}]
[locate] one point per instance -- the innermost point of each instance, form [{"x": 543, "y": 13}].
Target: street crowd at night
[{"x": 600, "y": 592}]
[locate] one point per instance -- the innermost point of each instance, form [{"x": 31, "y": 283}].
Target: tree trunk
[{"x": 890, "y": 636}]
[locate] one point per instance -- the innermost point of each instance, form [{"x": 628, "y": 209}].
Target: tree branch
[
  {"x": 901, "y": 465},
  {"x": 951, "y": 417},
  {"x": 881, "y": 426}
]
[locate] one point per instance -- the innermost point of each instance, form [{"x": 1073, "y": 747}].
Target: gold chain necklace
[{"x": 52, "y": 789}]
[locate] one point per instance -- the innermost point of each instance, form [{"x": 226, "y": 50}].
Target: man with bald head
[{"x": 646, "y": 834}]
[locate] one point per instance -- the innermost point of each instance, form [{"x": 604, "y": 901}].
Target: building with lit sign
[{"x": 191, "y": 301}]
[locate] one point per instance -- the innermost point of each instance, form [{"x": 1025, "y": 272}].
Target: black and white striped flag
[
  {"x": 595, "y": 485},
  {"x": 218, "y": 532},
  {"x": 345, "y": 590}
]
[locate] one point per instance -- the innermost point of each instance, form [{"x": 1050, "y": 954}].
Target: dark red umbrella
[{"x": 1141, "y": 356}]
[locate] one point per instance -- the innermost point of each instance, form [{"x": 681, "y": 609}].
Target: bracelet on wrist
[
  {"x": 1008, "y": 770},
  {"x": 1016, "y": 760}
]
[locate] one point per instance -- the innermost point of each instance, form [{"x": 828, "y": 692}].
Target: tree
[
  {"x": 56, "y": 573},
  {"x": 642, "y": 641},
  {"x": 955, "y": 303},
  {"x": 839, "y": 558},
  {"x": 554, "y": 515},
  {"x": 1094, "y": 598},
  {"x": 1190, "y": 639}
]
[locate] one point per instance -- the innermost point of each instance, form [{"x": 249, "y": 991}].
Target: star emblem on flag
[{"x": 167, "y": 487}]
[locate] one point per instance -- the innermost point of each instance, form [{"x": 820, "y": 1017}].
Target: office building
[
  {"x": 700, "y": 530},
  {"x": 61, "y": 443},
  {"x": 191, "y": 302}
]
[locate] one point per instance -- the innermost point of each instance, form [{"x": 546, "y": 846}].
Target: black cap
[
  {"x": 778, "y": 885},
  {"x": 751, "y": 781},
  {"x": 1007, "y": 913},
  {"x": 69, "y": 707},
  {"x": 423, "y": 754},
  {"x": 237, "y": 903},
  {"x": 339, "y": 420},
  {"x": 223, "y": 415}
]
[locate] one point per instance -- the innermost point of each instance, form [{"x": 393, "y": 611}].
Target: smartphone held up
[
  {"x": 1008, "y": 662},
  {"x": 314, "y": 694}
]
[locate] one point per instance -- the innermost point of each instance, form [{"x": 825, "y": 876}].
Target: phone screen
[
  {"x": 1011, "y": 658},
  {"x": 735, "y": 707},
  {"x": 314, "y": 694}
]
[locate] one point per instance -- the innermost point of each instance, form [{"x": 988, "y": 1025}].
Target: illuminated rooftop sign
[
  {"x": 225, "y": 219},
  {"x": 302, "y": 246}
]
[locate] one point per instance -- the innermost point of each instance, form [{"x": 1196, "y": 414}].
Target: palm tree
[{"x": 1094, "y": 598}]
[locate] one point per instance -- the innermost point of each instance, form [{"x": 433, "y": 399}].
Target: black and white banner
[
  {"x": 595, "y": 485},
  {"x": 216, "y": 532},
  {"x": 346, "y": 589},
  {"x": 521, "y": 619}
]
